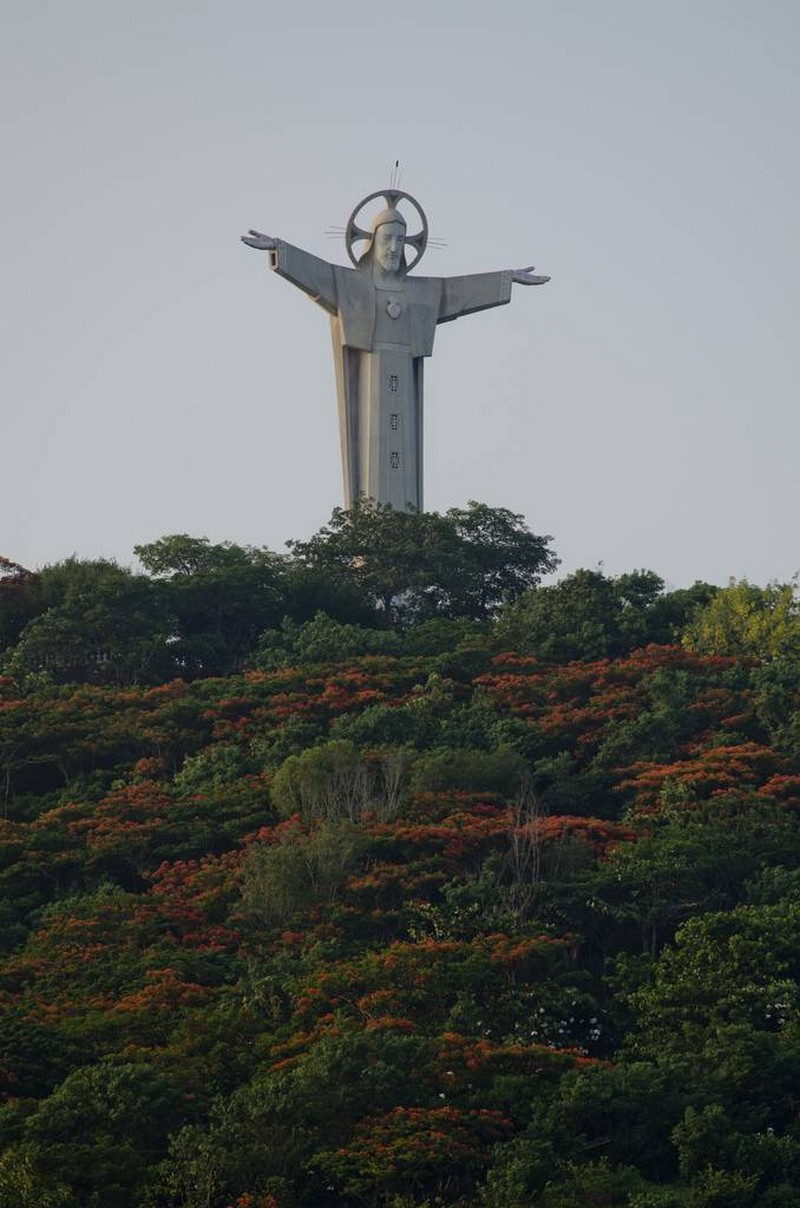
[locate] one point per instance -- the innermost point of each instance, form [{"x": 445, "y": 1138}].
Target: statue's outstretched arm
[
  {"x": 262, "y": 243},
  {"x": 313, "y": 276},
  {"x": 525, "y": 276}
]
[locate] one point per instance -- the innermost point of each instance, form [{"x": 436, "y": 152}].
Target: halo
[{"x": 356, "y": 234}]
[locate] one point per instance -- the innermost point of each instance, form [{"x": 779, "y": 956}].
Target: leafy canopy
[{"x": 420, "y": 564}]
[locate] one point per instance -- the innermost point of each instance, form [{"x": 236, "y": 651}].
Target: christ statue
[{"x": 383, "y": 322}]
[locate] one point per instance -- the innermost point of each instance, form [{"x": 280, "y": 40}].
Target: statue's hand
[
  {"x": 262, "y": 243},
  {"x": 525, "y": 276}
]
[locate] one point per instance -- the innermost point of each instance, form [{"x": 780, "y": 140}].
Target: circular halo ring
[{"x": 355, "y": 234}]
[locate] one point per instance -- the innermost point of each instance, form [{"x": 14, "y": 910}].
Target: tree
[
  {"x": 442, "y": 769},
  {"x": 336, "y": 780},
  {"x": 222, "y": 597},
  {"x": 501, "y": 559},
  {"x": 325, "y": 782},
  {"x": 577, "y": 618},
  {"x": 284, "y": 878},
  {"x": 26, "y": 1183},
  {"x": 670, "y": 613},
  {"x": 776, "y": 698},
  {"x": 596, "y": 1183},
  {"x": 181, "y": 556},
  {"x": 423, "y": 564},
  {"x": 749, "y": 620},
  {"x": 690, "y": 861},
  {"x": 20, "y": 600},
  {"x": 709, "y": 1141},
  {"x": 721, "y": 1015},
  {"x": 414, "y": 1150},
  {"x": 102, "y": 1128},
  {"x": 590, "y": 615},
  {"x": 311, "y": 589},
  {"x": 321, "y": 640},
  {"x": 101, "y": 624},
  {"x": 387, "y": 553}
]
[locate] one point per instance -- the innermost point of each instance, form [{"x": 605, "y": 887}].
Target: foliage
[
  {"x": 744, "y": 619},
  {"x": 321, "y": 640},
  {"x": 420, "y": 564},
  {"x": 336, "y": 780},
  {"x": 19, "y": 600},
  {"x": 222, "y": 596},
  {"x": 397, "y": 916},
  {"x": 500, "y": 559},
  {"x": 499, "y": 771},
  {"x": 589, "y": 615},
  {"x": 299, "y": 869},
  {"x": 100, "y": 624}
]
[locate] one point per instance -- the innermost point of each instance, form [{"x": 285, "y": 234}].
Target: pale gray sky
[{"x": 642, "y": 407}]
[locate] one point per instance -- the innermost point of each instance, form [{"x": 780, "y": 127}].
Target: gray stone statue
[{"x": 383, "y": 324}]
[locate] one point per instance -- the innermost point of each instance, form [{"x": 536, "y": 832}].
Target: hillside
[{"x": 446, "y": 922}]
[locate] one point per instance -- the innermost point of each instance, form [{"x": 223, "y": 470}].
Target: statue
[{"x": 383, "y": 323}]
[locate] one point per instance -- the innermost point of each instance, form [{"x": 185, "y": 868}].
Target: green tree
[
  {"x": 597, "y": 1183},
  {"x": 590, "y": 615},
  {"x": 325, "y": 782},
  {"x": 387, "y": 553},
  {"x": 691, "y": 861},
  {"x": 321, "y": 640},
  {"x": 500, "y": 771},
  {"x": 311, "y": 588},
  {"x": 744, "y": 619},
  {"x": 707, "y": 1138},
  {"x": 578, "y": 618},
  {"x": 301, "y": 869},
  {"x": 501, "y": 559},
  {"x": 179, "y": 556},
  {"x": 102, "y": 1129},
  {"x": 20, "y": 600},
  {"x": 424, "y": 564},
  {"x": 222, "y": 597},
  {"x": 101, "y": 624},
  {"x": 25, "y": 1181},
  {"x": 776, "y": 699},
  {"x": 722, "y": 1012},
  {"x": 337, "y": 780},
  {"x": 668, "y": 614}
]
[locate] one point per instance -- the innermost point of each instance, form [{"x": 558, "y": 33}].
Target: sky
[{"x": 642, "y": 407}]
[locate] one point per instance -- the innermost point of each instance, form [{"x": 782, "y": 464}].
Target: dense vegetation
[{"x": 378, "y": 873}]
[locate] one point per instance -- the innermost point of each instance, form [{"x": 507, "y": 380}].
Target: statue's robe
[{"x": 380, "y": 336}]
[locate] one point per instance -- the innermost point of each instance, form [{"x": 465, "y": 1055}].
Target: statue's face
[{"x": 387, "y": 246}]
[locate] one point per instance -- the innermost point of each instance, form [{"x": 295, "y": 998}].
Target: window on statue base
[
  {"x": 394, "y": 383},
  {"x": 394, "y": 421},
  {"x": 394, "y": 461}
]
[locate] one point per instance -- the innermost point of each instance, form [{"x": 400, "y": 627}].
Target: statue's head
[{"x": 388, "y": 239}]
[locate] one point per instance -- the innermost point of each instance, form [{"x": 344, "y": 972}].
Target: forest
[{"x": 391, "y": 871}]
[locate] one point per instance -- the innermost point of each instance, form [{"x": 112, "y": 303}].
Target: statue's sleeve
[
  {"x": 478, "y": 291},
  {"x": 314, "y": 276}
]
